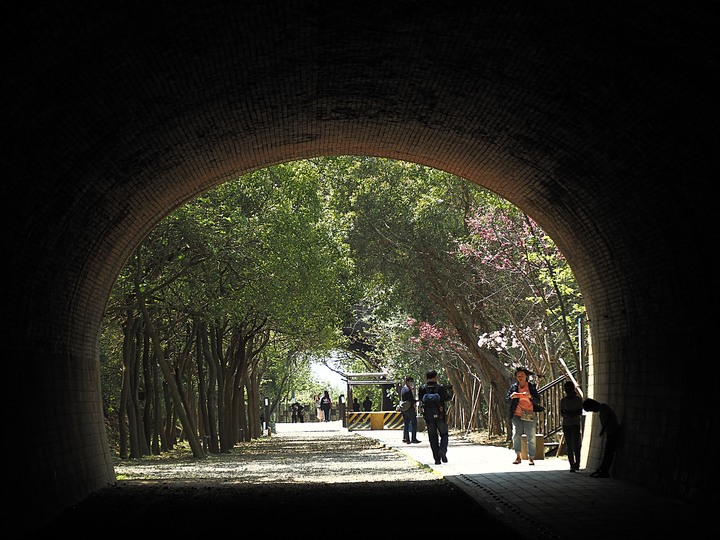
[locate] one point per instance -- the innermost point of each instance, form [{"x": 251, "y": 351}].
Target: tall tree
[
  {"x": 413, "y": 232},
  {"x": 252, "y": 259}
]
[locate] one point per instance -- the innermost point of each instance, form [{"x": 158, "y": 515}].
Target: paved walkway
[{"x": 546, "y": 501}]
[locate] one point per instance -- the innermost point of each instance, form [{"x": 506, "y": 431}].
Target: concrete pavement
[
  {"x": 547, "y": 501},
  {"x": 544, "y": 501}
]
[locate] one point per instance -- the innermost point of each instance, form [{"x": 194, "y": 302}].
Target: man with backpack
[{"x": 434, "y": 397}]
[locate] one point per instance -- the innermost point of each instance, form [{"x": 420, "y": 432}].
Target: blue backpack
[{"x": 432, "y": 401}]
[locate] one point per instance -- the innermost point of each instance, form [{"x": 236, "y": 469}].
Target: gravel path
[
  {"x": 301, "y": 484},
  {"x": 290, "y": 458}
]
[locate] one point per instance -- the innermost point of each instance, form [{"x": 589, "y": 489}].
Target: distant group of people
[
  {"x": 323, "y": 405},
  {"x": 366, "y": 405},
  {"x": 524, "y": 401}
]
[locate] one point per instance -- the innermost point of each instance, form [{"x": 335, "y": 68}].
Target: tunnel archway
[{"x": 599, "y": 126}]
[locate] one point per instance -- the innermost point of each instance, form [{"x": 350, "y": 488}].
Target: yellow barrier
[
  {"x": 393, "y": 420},
  {"x": 357, "y": 421}
]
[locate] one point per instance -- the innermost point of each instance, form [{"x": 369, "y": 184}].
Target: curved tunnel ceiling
[{"x": 596, "y": 125}]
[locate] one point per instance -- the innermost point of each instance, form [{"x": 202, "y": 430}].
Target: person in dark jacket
[
  {"x": 367, "y": 404},
  {"x": 409, "y": 415},
  {"x": 611, "y": 431},
  {"x": 326, "y": 405},
  {"x": 436, "y": 416},
  {"x": 571, "y": 410},
  {"x": 522, "y": 397}
]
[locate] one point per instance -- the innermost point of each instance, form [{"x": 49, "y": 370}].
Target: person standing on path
[
  {"x": 611, "y": 431},
  {"x": 409, "y": 415},
  {"x": 434, "y": 397},
  {"x": 367, "y": 404},
  {"x": 521, "y": 397},
  {"x": 326, "y": 405},
  {"x": 318, "y": 410},
  {"x": 571, "y": 410}
]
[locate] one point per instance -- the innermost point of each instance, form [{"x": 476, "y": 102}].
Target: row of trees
[{"x": 399, "y": 266}]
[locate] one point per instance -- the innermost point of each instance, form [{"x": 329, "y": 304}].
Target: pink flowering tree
[{"x": 536, "y": 294}]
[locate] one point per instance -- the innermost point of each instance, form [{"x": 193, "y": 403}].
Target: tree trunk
[
  {"x": 212, "y": 385},
  {"x": 128, "y": 411},
  {"x": 185, "y": 420}
]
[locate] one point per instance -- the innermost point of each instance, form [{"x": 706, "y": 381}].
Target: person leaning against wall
[{"x": 610, "y": 431}]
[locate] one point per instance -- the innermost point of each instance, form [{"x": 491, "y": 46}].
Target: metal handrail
[{"x": 549, "y": 422}]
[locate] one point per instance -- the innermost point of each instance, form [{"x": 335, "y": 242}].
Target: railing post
[
  {"x": 266, "y": 418},
  {"x": 341, "y": 411}
]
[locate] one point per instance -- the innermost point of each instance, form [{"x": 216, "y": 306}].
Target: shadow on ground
[{"x": 300, "y": 511}]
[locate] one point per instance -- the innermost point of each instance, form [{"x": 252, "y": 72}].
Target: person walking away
[
  {"x": 410, "y": 414},
  {"x": 611, "y": 431},
  {"x": 571, "y": 410},
  {"x": 300, "y": 412},
  {"x": 326, "y": 405},
  {"x": 318, "y": 410},
  {"x": 434, "y": 397},
  {"x": 367, "y": 404},
  {"x": 293, "y": 412},
  {"x": 521, "y": 397}
]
